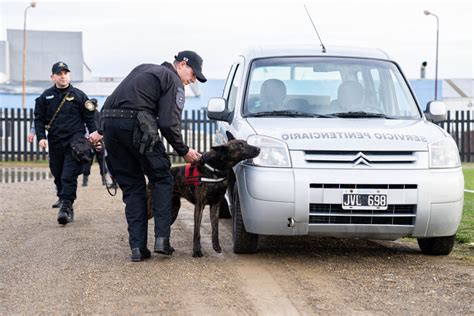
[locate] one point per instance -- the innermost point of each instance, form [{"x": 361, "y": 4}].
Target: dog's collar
[
  {"x": 212, "y": 180},
  {"x": 214, "y": 170},
  {"x": 194, "y": 177},
  {"x": 211, "y": 168}
]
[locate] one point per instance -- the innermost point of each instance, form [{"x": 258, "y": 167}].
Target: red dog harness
[{"x": 193, "y": 177}]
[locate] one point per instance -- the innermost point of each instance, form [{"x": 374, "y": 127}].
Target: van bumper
[{"x": 279, "y": 201}]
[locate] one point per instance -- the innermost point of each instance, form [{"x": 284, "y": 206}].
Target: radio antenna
[{"x": 309, "y": 15}]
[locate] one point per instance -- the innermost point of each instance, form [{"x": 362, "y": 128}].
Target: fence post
[
  {"x": 469, "y": 139},
  {"x": 462, "y": 137}
]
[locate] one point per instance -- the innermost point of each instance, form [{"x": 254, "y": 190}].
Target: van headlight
[
  {"x": 444, "y": 154},
  {"x": 273, "y": 152}
]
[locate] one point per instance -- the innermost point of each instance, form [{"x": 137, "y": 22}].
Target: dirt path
[{"x": 84, "y": 268}]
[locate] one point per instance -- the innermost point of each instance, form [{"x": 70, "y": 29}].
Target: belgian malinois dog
[{"x": 210, "y": 185}]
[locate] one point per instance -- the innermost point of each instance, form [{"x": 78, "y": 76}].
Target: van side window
[{"x": 234, "y": 87}]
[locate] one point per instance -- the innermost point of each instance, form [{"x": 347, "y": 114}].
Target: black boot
[
  {"x": 140, "y": 254},
  {"x": 162, "y": 245},
  {"x": 66, "y": 213},
  {"x": 85, "y": 180},
  {"x": 57, "y": 204}
]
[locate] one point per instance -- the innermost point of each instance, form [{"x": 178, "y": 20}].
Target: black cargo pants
[
  {"x": 130, "y": 167},
  {"x": 65, "y": 169}
]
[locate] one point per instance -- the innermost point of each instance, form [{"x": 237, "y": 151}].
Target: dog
[{"x": 209, "y": 187}]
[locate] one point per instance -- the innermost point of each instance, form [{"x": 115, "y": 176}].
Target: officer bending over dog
[
  {"x": 63, "y": 111},
  {"x": 151, "y": 97}
]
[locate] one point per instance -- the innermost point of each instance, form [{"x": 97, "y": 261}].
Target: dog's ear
[{"x": 229, "y": 135}]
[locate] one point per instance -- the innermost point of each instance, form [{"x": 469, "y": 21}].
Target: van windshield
[{"x": 328, "y": 87}]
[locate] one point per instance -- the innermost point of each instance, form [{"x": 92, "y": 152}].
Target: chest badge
[
  {"x": 70, "y": 98},
  {"x": 89, "y": 105}
]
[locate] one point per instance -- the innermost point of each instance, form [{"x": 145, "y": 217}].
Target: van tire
[
  {"x": 244, "y": 242},
  {"x": 437, "y": 246},
  {"x": 224, "y": 211}
]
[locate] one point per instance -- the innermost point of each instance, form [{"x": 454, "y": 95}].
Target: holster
[{"x": 146, "y": 133}]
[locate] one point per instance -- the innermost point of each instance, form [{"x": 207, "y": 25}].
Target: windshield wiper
[
  {"x": 287, "y": 113},
  {"x": 362, "y": 114}
]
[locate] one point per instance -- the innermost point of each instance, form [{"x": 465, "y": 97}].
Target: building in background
[{"x": 44, "y": 48}]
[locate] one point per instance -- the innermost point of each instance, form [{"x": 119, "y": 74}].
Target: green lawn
[{"x": 466, "y": 229}]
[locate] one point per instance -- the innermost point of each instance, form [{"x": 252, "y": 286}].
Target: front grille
[
  {"x": 396, "y": 214},
  {"x": 362, "y": 186},
  {"x": 353, "y": 157}
]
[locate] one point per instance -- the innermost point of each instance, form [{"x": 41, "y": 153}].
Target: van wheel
[
  {"x": 224, "y": 211},
  {"x": 437, "y": 246},
  {"x": 244, "y": 242}
]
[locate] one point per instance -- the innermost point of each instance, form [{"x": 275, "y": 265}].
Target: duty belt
[{"x": 118, "y": 113}]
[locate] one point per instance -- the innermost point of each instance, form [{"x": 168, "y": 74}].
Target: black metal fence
[
  {"x": 15, "y": 125},
  {"x": 198, "y": 133}
]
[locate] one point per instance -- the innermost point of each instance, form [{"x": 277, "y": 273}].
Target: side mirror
[
  {"x": 436, "y": 111},
  {"x": 216, "y": 109}
]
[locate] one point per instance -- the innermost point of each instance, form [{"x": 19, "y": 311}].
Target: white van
[{"x": 346, "y": 150}]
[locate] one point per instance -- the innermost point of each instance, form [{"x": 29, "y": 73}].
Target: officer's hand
[
  {"x": 95, "y": 137},
  {"x": 43, "y": 144},
  {"x": 30, "y": 137},
  {"x": 192, "y": 155}
]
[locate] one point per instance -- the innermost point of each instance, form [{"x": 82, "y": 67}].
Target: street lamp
[
  {"x": 23, "y": 98},
  {"x": 437, "y": 40}
]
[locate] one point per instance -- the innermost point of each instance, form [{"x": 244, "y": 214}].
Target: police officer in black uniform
[
  {"x": 151, "y": 97},
  {"x": 62, "y": 111}
]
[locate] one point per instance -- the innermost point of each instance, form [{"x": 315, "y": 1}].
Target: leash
[{"x": 109, "y": 186}]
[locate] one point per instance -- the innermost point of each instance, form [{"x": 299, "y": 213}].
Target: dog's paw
[{"x": 197, "y": 254}]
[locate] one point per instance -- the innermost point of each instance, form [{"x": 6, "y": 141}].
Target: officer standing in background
[
  {"x": 62, "y": 111},
  {"x": 151, "y": 97},
  {"x": 96, "y": 152}
]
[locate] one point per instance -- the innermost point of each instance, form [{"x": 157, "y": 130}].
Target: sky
[{"x": 118, "y": 35}]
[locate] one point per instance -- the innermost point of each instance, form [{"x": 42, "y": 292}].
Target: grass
[
  {"x": 466, "y": 229},
  {"x": 17, "y": 164},
  {"x": 468, "y": 178}
]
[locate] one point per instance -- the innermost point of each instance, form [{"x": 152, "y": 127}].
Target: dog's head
[{"x": 232, "y": 152}]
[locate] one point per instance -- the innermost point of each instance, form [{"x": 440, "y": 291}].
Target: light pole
[
  {"x": 437, "y": 40},
  {"x": 23, "y": 97}
]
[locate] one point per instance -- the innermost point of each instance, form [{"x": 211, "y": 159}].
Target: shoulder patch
[
  {"x": 89, "y": 105},
  {"x": 180, "y": 98}
]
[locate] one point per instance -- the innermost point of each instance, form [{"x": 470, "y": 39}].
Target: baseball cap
[
  {"x": 194, "y": 61},
  {"x": 57, "y": 67}
]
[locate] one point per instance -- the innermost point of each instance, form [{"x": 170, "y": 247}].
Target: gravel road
[{"x": 84, "y": 267}]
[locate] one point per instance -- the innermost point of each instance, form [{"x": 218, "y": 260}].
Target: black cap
[
  {"x": 194, "y": 61},
  {"x": 57, "y": 67}
]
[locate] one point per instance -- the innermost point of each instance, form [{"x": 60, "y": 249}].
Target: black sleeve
[
  {"x": 170, "y": 107},
  {"x": 40, "y": 119},
  {"x": 87, "y": 115}
]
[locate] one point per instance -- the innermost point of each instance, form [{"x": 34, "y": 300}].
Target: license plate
[{"x": 360, "y": 199}]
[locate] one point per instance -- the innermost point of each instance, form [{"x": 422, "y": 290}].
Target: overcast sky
[{"x": 118, "y": 35}]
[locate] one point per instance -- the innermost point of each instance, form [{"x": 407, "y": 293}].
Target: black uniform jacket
[
  {"x": 69, "y": 122},
  {"x": 156, "y": 89}
]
